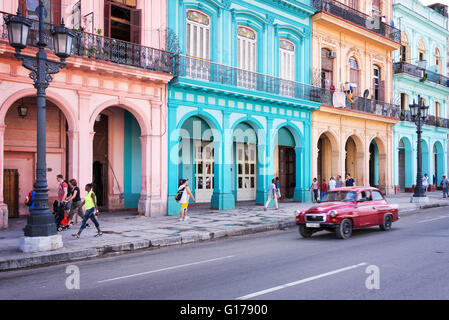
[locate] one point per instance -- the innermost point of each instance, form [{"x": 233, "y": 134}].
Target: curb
[{"x": 50, "y": 258}]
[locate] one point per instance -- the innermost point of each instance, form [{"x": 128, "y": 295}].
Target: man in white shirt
[
  {"x": 332, "y": 184},
  {"x": 271, "y": 196}
]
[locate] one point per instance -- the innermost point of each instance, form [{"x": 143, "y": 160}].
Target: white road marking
[
  {"x": 277, "y": 288},
  {"x": 165, "y": 269},
  {"x": 434, "y": 219}
]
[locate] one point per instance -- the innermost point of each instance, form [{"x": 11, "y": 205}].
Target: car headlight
[
  {"x": 297, "y": 213},
  {"x": 333, "y": 213}
]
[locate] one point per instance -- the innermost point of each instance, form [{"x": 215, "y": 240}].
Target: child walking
[
  {"x": 184, "y": 201},
  {"x": 90, "y": 204}
]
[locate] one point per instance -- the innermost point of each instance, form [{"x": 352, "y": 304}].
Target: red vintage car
[{"x": 345, "y": 209}]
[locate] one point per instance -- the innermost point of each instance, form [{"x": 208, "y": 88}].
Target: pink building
[{"x": 106, "y": 111}]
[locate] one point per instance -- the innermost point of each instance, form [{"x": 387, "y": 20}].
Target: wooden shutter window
[
  {"x": 56, "y": 11},
  {"x": 23, "y": 7},
  {"x": 136, "y": 24},
  {"x": 107, "y": 19}
]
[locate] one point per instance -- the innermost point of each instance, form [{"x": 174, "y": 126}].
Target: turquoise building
[
  {"x": 240, "y": 105},
  {"x": 420, "y": 69}
]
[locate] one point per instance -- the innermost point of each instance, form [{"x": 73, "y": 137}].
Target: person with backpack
[
  {"x": 29, "y": 200},
  {"x": 90, "y": 204},
  {"x": 182, "y": 197}
]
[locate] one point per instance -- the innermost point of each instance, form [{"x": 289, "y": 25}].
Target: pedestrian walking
[
  {"x": 445, "y": 185},
  {"x": 63, "y": 188},
  {"x": 75, "y": 199},
  {"x": 278, "y": 188},
  {"x": 314, "y": 187},
  {"x": 332, "y": 184},
  {"x": 350, "y": 182},
  {"x": 183, "y": 196},
  {"x": 425, "y": 182},
  {"x": 271, "y": 195},
  {"x": 90, "y": 204},
  {"x": 323, "y": 189},
  {"x": 339, "y": 182}
]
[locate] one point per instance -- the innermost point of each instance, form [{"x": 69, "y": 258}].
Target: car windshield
[{"x": 340, "y": 196}]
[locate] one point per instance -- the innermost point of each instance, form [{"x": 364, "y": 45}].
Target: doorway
[
  {"x": 287, "y": 171},
  {"x": 11, "y": 191}
]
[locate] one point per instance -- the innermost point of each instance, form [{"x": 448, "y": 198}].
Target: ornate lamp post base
[
  {"x": 423, "y": 199},
  {"x": 38, "y": 244}
]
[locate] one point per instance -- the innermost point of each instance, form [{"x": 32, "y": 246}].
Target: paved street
[{"x": 412, "y": 260}]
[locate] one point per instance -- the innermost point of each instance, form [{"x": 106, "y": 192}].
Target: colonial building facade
[
  {"x": 352, "y": 49},
  {"x": 420, "y": 70},
  {"x": 240, "y": 105},
  {"x": 106, "y": 110}
]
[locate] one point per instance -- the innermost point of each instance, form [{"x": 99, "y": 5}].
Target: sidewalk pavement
[{"x": 125, "y": 231}]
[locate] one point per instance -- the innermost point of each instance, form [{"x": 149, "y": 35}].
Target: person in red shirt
[{"x": 323, "y": 188}]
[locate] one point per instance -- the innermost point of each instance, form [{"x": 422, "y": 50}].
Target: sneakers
[
  {"x": 76, "y": 235},
  {"x": 186, "y": 218}
]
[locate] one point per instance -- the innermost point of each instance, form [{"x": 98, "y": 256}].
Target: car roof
[{"x": 356, "y": 189}]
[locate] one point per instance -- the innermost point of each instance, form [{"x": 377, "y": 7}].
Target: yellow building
[{"x": 352, "y": 54}]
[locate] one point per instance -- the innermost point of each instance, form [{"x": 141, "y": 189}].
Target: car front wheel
[
  {"x": 305, "y": 232},
  {"x": 344, "y": 229},
  {"x": 388, "y": 221}
]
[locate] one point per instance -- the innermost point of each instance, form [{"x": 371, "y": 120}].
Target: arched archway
[
  {"x": 328, "y": 157},
  {"x": 287, "y": 161},
  {"x": 245, "y": 143},
  {"x": 405, "y": 172},
  {"x": 118, "y": 158},
  {"x": 19, "y": 149},
  {"x": 354, "y": 160},
  {"x": 197, "y": 157},
  {"x": 438, "y": 162},
  {"x": 377, "y": 164}
]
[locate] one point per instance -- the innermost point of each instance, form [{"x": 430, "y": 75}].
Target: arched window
[
  {"x": 354, "y": 75},
  {"x": 377, "y": 84},
  {"x": 437, "y": 109},
  {"x": 247, "y": 57},
  {"x": 437, "y": 60},
  {"x": 286, "y": 60},
  {"x": 198, "y": 34},
  {"x": 247, "y": 48},
  {"x": 421, "y": 51},
  {"x": 405, "y": 48},
  {"x": 53, "y": 7}
]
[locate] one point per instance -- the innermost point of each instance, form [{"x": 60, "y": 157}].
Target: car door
[
  {"x": 365, "y": 209},
  {"x": 381, "y": 206}
]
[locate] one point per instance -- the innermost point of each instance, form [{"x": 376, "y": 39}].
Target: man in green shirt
[{"x": 90, "y": 204}]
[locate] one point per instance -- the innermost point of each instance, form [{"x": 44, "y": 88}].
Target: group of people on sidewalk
[
  {"x": 444, "y": 184},
  {"x": 318, "y": 192},
  {"x": 69, "y": 196}
]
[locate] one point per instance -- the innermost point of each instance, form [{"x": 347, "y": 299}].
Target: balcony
[
  {"x": 423, "y": 74},
  {"x": 365, "y": 105},
  {"x": 340, "y": 10},
  {"x": 209, "y": 72},
  {"x": 97, "y": 47},
  {"x": 430, "y": 120}
]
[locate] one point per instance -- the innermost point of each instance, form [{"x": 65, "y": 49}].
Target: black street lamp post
[
  {"x": 419, "y": 113},
  {"x": 40, "y": 222}
]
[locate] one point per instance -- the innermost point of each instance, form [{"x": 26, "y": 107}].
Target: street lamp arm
[{"x": 32, "y": 63}]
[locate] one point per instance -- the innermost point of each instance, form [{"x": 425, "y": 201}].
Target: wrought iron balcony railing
[
  {"x": 423, "y": 74},
  {"x": 359, "y": 18},
  {"x": 207, "y": 71},
  {"x": 366, "y": 105},
  {"x": 430, "y": 120},
  {"x": 102, "y": 48}
]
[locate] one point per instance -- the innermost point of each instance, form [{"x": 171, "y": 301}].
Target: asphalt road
[{"x": 409, "y": 262}]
